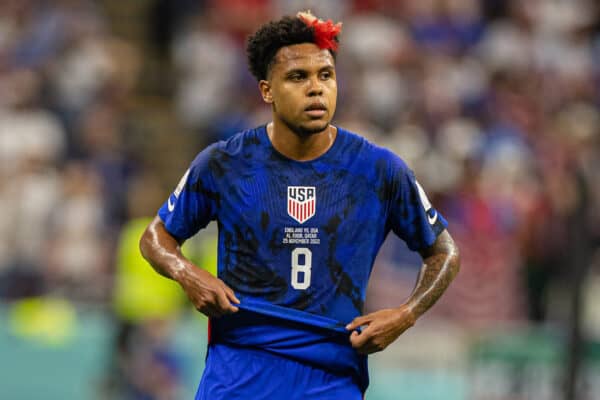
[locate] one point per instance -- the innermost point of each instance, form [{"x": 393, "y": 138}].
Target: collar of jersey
[{"x": 264, "y": 137}]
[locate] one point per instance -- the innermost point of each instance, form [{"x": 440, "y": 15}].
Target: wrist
[
  {"x": 409, "y": 312},
  {"x": 180, "y": 270}
]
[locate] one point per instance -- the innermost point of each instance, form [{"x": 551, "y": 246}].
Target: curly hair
[{"x": 270, "y": 37}]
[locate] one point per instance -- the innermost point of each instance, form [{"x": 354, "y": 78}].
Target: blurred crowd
[{"x": 494, "y": 104}]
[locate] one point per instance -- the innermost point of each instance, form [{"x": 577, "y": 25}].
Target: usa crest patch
[{"x": 301, "y": 202}]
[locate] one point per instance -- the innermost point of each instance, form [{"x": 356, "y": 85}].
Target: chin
[{"x": 312, "y": 128}]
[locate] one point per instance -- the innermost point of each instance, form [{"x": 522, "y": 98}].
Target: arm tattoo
[{"x": 441, "y": 263}]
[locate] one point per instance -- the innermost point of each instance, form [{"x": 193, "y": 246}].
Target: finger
[
  {"x": 358, "y": 321},
  {"x": 359, "y": 340},
  {"x": 224, "y": 304},
  {"x": 231, "y": 294}
]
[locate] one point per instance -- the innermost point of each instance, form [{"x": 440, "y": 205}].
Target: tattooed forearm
[{"x": 441, "y": 263}]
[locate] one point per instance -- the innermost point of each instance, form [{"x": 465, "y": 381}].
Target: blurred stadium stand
[{"x": 494, "y": 104}]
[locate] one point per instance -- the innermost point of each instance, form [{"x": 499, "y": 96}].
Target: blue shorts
[{"x": 234, "y": 373}]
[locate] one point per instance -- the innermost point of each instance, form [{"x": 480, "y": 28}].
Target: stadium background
[{"x": 493, "y": 103}]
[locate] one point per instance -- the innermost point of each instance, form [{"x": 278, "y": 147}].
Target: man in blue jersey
[{"x": 303, "y": 207}]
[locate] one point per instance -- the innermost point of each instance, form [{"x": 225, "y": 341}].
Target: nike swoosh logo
[
  {"x": 432, "y": 220},
  {"x": 170, "y": 205}
]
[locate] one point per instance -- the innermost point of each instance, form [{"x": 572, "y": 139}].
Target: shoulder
[
  {"x": 247, "y": 140},
  {"x": 228, "y": 150},
  {"x": 219, "y": 158},
  {"x": 371, "y": 154}
]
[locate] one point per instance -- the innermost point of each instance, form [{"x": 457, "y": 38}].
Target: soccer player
[{"x": 302, "y": 207}]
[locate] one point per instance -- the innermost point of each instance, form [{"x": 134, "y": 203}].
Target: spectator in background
[
  {"x": 80, "y": 272},
  {"x": 72, "y": 66},
  {"x": 32, "y": 144},
  {"x": 102, "y": 133}
]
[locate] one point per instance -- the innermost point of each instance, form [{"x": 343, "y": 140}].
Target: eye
[
  {"x": 325, "y": 75},
  {"x": 296, "y": 77}
]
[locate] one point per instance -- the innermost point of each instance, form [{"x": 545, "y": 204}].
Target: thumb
[
  {"x": 359, "y": 340},
  {"x": 354, "y": 338}
]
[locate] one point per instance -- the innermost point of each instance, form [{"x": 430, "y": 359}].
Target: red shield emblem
[{"x": 301, "y": 202}]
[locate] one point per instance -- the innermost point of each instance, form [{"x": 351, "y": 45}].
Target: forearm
[
  {"x": 162, "y": 251},
  {"x": 210, "y": 295},
  {"x": 441, "y": 263}
]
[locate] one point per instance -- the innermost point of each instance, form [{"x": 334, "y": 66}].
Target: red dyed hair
[{"x": 325, "y": 32}]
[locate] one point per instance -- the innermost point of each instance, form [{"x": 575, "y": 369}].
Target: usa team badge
[{"x": 301, "y": 202}]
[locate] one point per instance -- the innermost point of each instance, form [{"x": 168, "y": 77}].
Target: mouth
[{"x": 316, "y": 110}]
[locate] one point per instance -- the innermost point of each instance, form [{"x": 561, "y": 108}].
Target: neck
[{"x": 297, "y": 147}]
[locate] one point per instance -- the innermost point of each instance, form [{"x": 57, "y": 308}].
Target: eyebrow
[
  {"x": 295, "y": 71},
  {"x": 303, "y": 71}
]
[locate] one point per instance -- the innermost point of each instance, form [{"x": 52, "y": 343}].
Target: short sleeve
[
  {"x": 194, "y": 202},
  {"x": 411, "y": 215}
]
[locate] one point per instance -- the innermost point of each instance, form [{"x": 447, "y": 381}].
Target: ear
[{"x": 265, "y": 90}]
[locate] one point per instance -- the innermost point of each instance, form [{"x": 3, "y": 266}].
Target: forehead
[{"x": 304, "y": 55}]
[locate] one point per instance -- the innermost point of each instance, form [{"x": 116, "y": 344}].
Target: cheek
[
  {"x": 287, "y": 99},
  {"x": 333, "y": 94}
]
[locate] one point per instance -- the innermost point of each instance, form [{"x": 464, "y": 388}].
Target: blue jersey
[{"x": 298, "y": 239}]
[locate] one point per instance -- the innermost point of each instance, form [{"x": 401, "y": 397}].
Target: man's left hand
[{"x": 379, "y": 328}]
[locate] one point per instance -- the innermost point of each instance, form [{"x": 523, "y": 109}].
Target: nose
[{"x": 315, "y": 88}]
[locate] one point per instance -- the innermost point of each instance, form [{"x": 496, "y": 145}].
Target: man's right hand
[{"x": 210, "y": 295}]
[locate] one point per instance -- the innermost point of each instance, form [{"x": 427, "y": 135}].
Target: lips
[
  {"x": 316, "y": 110},
  {"x": 316, "y": 106}
]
